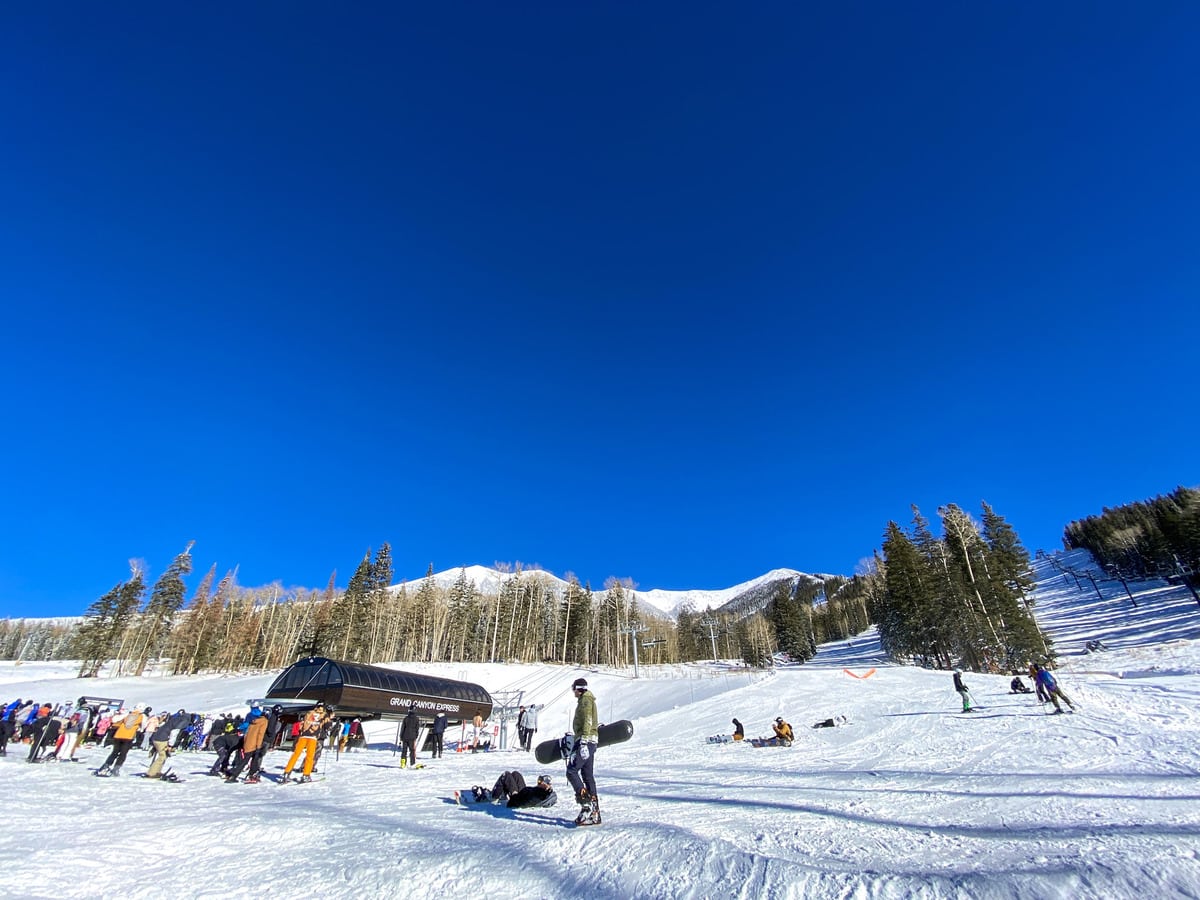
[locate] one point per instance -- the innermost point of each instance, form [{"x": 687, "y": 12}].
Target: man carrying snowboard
[{"x": 582, "y": 758}]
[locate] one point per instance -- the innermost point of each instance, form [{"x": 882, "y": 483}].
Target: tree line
[
  {"x": 1158, "y": 538},
  {"x": 961, "y": 599}
]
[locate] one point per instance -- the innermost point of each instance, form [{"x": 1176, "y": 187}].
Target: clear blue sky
[{"x": 674, "y": 292}]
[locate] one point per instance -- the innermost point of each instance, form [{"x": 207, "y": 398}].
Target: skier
[
  {"x": 438, "y": 731},
  {"x": 307, "y": 743},
  {"x": 962, "y": 690},
  {"x": 582, "y": 758},
  {"x": 1037, "y": 685},
  {"x": 122, "y": 740},
  {"x": 77, "y": 726},
  {"x": 410, "y": 728},
  {"x": 7, "y": 725},
  {"x": 252, "y": 742},
  {"x": 160, "y": 739},
  {"x": 739, "y": 733},
  {"x": 1048, "y": 683}
]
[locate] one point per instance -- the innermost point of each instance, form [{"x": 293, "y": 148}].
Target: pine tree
[
  {"x": 166, "y": 599},
  {"x": 107, "y": 619}
]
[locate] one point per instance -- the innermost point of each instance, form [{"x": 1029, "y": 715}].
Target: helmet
[
  {"x": 544, "y": 780},
  {"x": 958, "y": 671},
  {"x": 579, "y": 684},
  {"x": 779, "y": 719},
  {"x": 148, "y": 710},
  {"x": 277, "y": 709}
]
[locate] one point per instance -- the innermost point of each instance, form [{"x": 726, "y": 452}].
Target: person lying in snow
[{"x": 511, "y": 790}]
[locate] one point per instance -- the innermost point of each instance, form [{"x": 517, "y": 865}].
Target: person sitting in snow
[
  {"x": 739, "y": 733},
  {"x": 1017, "y": 686},
  {"x": 783, "y": 731}
]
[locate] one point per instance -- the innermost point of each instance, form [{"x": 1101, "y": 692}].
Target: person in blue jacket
[
  {"x": 1049, "y": 684},
  {"x": 7, "y": 725}
]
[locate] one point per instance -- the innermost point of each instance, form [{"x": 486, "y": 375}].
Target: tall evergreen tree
[
  {"x": 166, "y": 599},
  {"x": 107, "y": 619}
]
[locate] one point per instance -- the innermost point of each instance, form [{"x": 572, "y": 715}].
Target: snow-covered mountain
[{"x": 742, "y": 598}]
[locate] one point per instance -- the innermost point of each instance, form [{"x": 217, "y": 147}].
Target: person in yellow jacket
[
  {"x": 308, "y": 742},
  {"x": 783, "y": 731},
  {"x": 126, "y": 730}
]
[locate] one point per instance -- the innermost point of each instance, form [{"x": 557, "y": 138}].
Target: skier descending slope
[
  {"x": 583, "y": 755},
  {"x": 1048, "y": 683},
  {"x": 963, "y": 690}
]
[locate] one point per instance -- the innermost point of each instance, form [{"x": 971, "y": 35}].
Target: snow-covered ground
[{"x": 911, "y": 799}]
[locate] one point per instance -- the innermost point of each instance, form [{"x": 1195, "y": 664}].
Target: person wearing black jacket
[
  {"x": 225, "y": 743},
  {"x": 540, "y": 794},
  {"x": 439, "y": 732},
  {"x": 409, "y": 729},
  {"x": 963, "y": 690},
  {"x": 160, "y": 739}
]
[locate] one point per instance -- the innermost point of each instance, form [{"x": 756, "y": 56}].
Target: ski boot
[
  {"x": 304, "y": 779},
  {"x": 116, "y": 770},
  {"x": 585, "y": 806},
  {"x": 590, "y": 815},
  {"x": 251, "y": 779}
]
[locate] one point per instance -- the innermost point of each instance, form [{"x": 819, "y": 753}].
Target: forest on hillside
[{"x": 959, "y": 599}]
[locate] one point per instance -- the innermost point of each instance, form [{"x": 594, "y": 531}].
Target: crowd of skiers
[{"x": 58, "y": 731}]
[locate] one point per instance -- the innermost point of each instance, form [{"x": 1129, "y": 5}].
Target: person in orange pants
[{"x": 307, "y": 742}]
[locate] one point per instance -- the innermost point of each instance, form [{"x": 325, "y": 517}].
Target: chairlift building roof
[{"x": 374, "y": 692}]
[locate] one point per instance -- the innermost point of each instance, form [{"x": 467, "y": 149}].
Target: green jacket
[{"x": 587, "y": 720}]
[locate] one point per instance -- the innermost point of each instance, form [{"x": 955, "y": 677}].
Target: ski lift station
[{"x": 371, "y": 692}]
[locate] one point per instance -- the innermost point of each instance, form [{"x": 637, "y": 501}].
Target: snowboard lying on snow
[{"x": 548, "y": 752}]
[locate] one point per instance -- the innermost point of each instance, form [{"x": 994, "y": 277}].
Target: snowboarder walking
[
  {"x": 963, "y": 690},
  {"x": 582, "y": 758}
]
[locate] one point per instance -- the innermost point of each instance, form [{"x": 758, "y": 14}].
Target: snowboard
[
  {"x": 769, "y": 742},
  {"x": 548, "y": 752}
]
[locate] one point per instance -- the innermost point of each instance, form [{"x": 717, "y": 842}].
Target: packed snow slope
[{"x": 912, "y": 798}]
